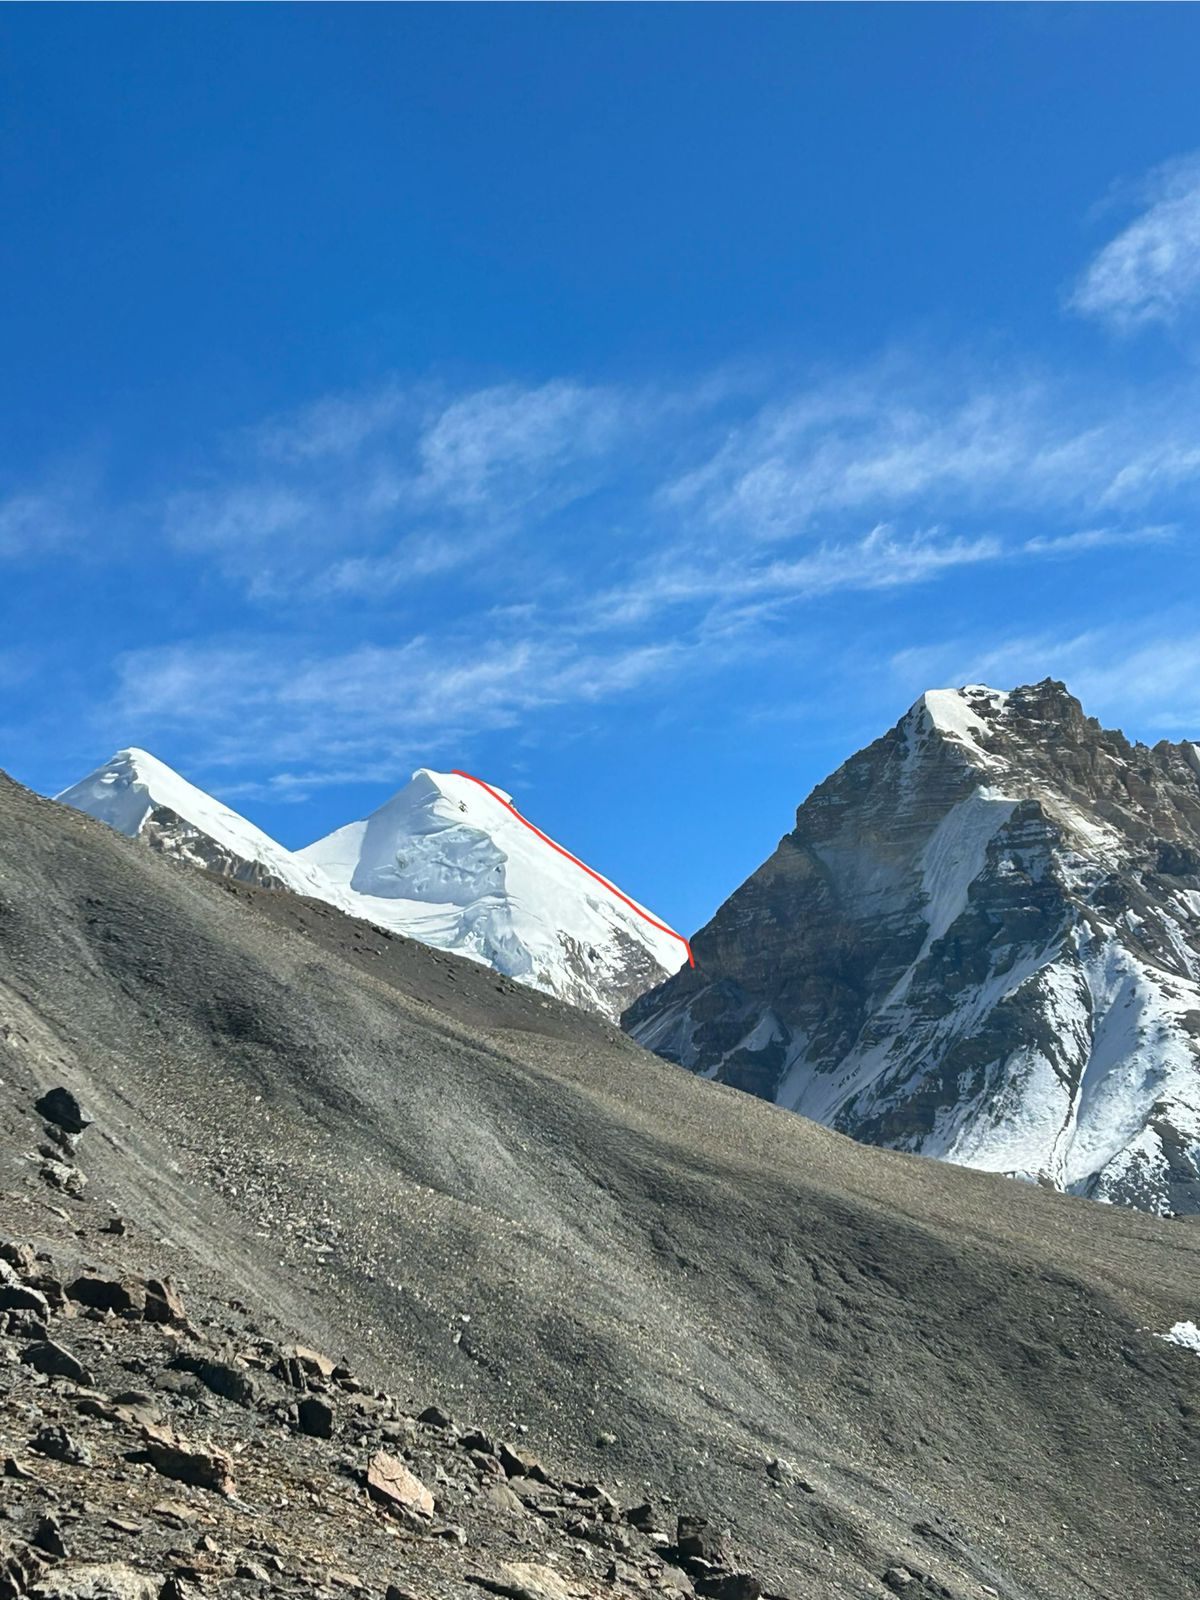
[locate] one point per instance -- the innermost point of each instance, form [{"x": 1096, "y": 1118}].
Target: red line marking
[{"x": 583, "y": 867}]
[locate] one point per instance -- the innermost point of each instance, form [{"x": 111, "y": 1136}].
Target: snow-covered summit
[
  {"x": 141, "y": 797},
  {"x": 450, "y": 861},
  {"x": 981, "y": 941},
  {"x": 447, "y": 860}
]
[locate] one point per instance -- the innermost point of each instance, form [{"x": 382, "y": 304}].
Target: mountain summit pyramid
[
  {"x": 143, "y": 798},
  {"x": 443, "y": 861},
  {"x": 454, "y": 866},
  {"x": 981, "y": 941}
]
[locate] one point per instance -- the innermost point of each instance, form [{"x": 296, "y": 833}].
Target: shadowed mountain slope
[{"x": 494, "y": 1201}]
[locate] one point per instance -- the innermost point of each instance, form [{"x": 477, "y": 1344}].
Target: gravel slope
[{"x": 484, "y": 1198}]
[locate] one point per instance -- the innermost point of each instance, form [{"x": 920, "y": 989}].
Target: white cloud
[
  {"x": 512, "y": 442},
  {"x": 874, "y": 443},
  {"x": 883, "y": 559},
  {"x": 241, "y": 518},
  {"x": 1086, "y": 539},
  {"x": 892, "y": 441},
  {"x": 334, "y": 426},
  {"x": 364, "y": 499},
  {"x": 413, "y": 559},
  {"x": 1151, "y": 271},
  {"x": 34, "y": 522},
  {"x": 357, "y": 495}
]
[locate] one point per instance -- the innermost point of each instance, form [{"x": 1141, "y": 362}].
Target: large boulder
[
  {"x": 124, "y": 1296},
  {"x": 203, "y": 1466},
  {"x": 60, "y": 1106},
  {"x": 394, "y": 1486}
]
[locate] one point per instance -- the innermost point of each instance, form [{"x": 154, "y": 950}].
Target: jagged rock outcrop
[{"x": 981, "y": 941}]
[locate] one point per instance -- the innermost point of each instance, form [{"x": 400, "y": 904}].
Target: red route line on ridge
[{"x": 611, "y": 887}]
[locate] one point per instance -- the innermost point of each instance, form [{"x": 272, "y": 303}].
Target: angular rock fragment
[
  {"x": 18, "y": 1256},
  {"x": 522, "y": 1580},
  {"x": 131, "y": 1408},
  {"x": 60, "y": 1175},
  {"x": 695, "y": 1540},
  {"x": 220, "y": 1378},
  {"x": 18, "y": 1297},
  {"x": 392, "y": 1484},
  {"x": 302, "y": 1368},
  {"x": 203, "y": 1466},
  {"x": 315, "y": 1417},
  {"x": 108, "y": 1580},
  {"x": 642, "y": 1518},
  {"x": 499, "y": 1498},
  {"x": 162, "y": 1301},
  {"x": 55, "y": 1360},
  {"x": 20, "y": 1567},
  {"x": 53, "y": 1440},
  {"x": 47, "y": 1536},
  {"x": 518, "y": 1465},
  {"x": 728, "y": 1586},
  {"x": 476, "y": 1442}
]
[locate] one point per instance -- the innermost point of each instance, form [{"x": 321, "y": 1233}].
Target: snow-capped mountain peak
[
  {"x": 141, "y": 797},
  {"x": 981, "y": 941},
  {"x": 447, "y": 860}
]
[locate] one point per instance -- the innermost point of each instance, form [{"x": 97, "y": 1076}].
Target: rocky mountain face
[
  {"x": 981, "y": 941},
  {"x": 446, "y": 860},
  {"x": 882, "y": 1375}
]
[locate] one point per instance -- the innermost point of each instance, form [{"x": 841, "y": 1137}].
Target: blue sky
[{"x": 636, "y": 406}]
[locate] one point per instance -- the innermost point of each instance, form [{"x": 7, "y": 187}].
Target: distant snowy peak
[
  {"x": 981, "y": 941},
  {"x": 450, "y": 861},
  {"x": 447, "y": 860},
  {"x": 142, "y": 797}
]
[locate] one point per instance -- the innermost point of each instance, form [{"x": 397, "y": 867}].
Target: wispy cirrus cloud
[
  {"x": 881, "y": 559},
  {"x": 1150, "y": 272},
  {"x": 442, "y": 565},
  {"x": 1087, "y": 539},
  {"x": 518, "y": 445},
  {"x": 425, "y": 565},
  {"x": 892, "y": 441},
  {"x": 363, "y": 500},
  {"x": 354, "y": 489},
  {"x": 35, "y": 522}
]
